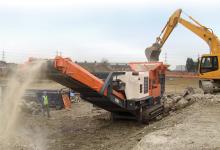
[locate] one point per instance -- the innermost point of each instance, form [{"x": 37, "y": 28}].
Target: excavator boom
[{"x": 152, "y": 53}]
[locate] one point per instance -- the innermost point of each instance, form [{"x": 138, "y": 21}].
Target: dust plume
[{"x": 14, "y": 133}]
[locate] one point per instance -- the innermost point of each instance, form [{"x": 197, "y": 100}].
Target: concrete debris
[
  {"x": 181, "y": 103},
  {"x": 177, "y": 98},
  {"x": 188, "y": 91},
  {"x": 196, "y": 127},
  {"x": 31, "y": 107},
  {"x": 178, "y": 101}
]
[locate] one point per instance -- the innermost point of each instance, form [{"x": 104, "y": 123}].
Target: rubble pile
[
  {"x": 31, "y": 107},
  {"x": 174, "y": 102}
]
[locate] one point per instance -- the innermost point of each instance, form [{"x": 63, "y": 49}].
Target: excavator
[{"x": 209, "y": 72}]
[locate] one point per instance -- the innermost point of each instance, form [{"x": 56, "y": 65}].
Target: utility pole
[
  {"x": 58, "y": 53},
  {"x": 3, "y": 55},
  {"x": 165, "y": 58}
]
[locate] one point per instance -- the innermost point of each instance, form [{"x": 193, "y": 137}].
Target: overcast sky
[{"x": 118, "y": 30}]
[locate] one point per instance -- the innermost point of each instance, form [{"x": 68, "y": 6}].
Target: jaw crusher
[{"x": 134, "y": 94}]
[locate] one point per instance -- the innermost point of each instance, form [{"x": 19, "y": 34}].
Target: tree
[
  {"x": 104, "y": 61},
  {"x": 191, "y": 66}
]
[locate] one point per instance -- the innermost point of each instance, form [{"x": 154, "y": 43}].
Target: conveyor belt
[{"x": 86, "y": 92}]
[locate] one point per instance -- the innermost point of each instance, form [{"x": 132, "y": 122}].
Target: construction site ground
[{"x": 86, "y": 127}]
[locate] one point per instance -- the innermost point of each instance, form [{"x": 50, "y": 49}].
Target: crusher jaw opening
[{"x": 152, "y": 53}]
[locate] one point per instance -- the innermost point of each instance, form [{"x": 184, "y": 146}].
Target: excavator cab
[
  {"x": 209, "y": 73},
  {"x": 208, "y": 64}
]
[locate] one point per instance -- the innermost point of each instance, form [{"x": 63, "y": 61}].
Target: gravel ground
[
  {"x": 193, "y": 123},
  {"x": 196, "y": 127}
]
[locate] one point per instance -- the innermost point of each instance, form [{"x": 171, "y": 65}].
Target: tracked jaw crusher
[{"x": 134, "y": 94}]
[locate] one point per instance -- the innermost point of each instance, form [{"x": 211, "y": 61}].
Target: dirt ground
[
  {"x": 195, "y": 127},
  {"x": 178, "y": 85},
  {"x": 86, "y": 127}
]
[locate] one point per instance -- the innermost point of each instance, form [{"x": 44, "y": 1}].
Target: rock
[
  {"x": 177, "y": 98},
  {"x": 181, "y": 103},
  {"x": 188, "y": 91},
  {"x": 31, "y": 107},
  {"x": 199, "y": 91},
  {"x": 197, "y": 97},
  {"x": 168, "y": 104},
  {"x": 170, "y": 95},
  {"x": 188, "y": 98},
  {"x": 159, "y": 117}
]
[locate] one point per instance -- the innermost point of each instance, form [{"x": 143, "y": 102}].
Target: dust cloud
[{"x": 14, "y": 131}]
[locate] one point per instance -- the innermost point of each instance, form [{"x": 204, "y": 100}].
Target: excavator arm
[
  {"x": 170, "y": 25},
  {"x": 152, "y": 53}
]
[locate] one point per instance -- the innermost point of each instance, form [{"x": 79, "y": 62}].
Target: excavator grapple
[{"x": 132, "y": 94}]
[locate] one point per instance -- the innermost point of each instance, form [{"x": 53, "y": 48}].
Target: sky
[{"x": 117, "y": 30}]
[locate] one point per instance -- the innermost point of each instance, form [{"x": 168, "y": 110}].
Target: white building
[{"x": 180, "y": 68}]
